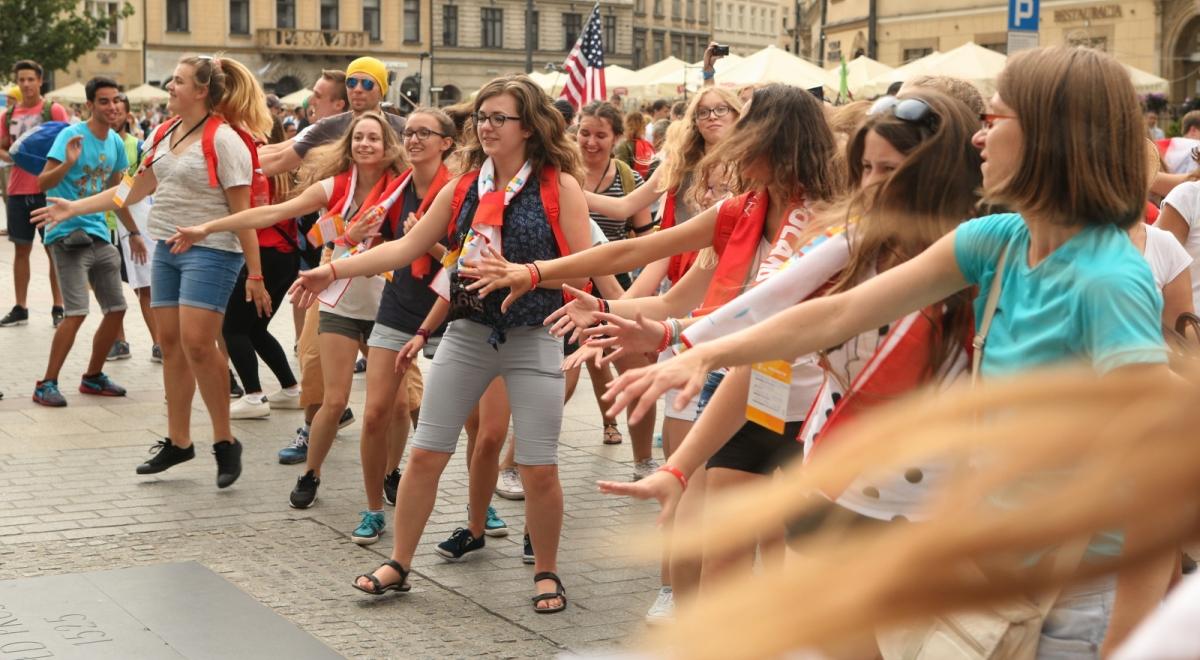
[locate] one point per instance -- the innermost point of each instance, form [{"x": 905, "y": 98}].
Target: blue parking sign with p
[{"x": 1023, "y": 15}]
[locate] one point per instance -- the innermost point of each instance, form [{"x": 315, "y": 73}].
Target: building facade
[
  {"x": 750, "y": 25},
  {"x": 119, "y": 54},
  {"x": 1159, "y": 36},
  {"x": 666, "y": 28}
]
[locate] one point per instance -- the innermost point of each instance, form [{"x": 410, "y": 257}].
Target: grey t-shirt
[
  {"x": 331, "y": 128},
  {"x": 184, "y": 198}
]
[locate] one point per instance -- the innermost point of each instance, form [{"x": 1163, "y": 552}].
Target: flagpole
[{"x": 528, "y": 35}]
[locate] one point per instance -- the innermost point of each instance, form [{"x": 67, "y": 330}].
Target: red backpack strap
[
  {"x": 727, "y": 218},
  {"x": 209, "y": 145},
  {"x": 460, "y": 195},
  {"x": 160, "y": 135},
  {"x": 549, "y": 186}
]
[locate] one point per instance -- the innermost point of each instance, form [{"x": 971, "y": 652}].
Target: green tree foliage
[{"x": 52, "y": 32}]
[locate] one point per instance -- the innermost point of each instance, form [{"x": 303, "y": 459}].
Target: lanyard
[{"x": 167, "y": 137}]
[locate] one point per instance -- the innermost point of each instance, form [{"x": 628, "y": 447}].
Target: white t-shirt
[
  {"x": 1178, "y": 158},
  {"x": 361, "y": 300},
  {"x": 1185, "y": 198},
  {"x": 1166, "y": 256}
]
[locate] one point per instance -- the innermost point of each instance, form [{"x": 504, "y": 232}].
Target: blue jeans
[
  {"x": 201, "y": 277},
  {"x": 1076, "y": 626}
]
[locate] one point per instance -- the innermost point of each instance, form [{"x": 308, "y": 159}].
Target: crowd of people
[{"x": 769, "y": 267}]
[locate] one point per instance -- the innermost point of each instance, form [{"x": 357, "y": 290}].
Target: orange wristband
[
  {"x": 334, "y": 271},
  {"x": 675, "y": 472}
]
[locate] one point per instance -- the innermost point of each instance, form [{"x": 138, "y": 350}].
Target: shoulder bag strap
[{"x": 989, "y": 311}]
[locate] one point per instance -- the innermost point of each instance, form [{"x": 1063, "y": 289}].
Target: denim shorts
[
  {"x": 391, "y": 339},
  {"x": 1076, "y": 626},
  {"x": 201, "y": 277}
]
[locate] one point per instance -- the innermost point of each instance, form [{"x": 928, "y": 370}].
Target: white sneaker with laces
[
  {"x": 284, "y": 400},
  {"x": 509, "y": 486},
  {"x": 250, "y": 406},
  {"x": 663, "y": 609},
  {"x": 644, "y": 468}
]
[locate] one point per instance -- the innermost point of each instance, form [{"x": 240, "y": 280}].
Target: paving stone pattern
[{"x": 70, "y": 502}]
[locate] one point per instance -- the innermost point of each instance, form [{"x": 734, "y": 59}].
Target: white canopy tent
[
  {"x": 772, "y": 64},
  {"x": 877, "y": 85},
  {"x": 73, "y": 93},
  {"x": 296, "y": 98},
  {"x": 974, "y": 64},
  {"x": 859, "y": 72},
  {"x": 1147, "y": 83},
  {"x": 146, "y": 95}
]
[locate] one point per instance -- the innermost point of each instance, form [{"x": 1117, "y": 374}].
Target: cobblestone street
[{"x": 70, "y": 502}]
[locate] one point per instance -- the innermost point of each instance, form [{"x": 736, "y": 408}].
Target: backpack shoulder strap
[
  {"x": 989, "y": 312},
  {"x": 626, "y": 173},
  {"x": 727, "y": 217},
  {"x": 460, "y": 195},
  {"x": 549, "y": 193},
  {"x": 47, "y": 111},
  {"x": 208, "y": 143}
]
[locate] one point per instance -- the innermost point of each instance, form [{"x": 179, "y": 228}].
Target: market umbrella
[
  {"x": 1147, "y": 83},
  {"x": 146, "y": 95},
  {"x": 878, "y": 85},
  {"x": 860, "y": 71},
  {"x": 296, "y": 98},
  {"x": 773, "y": 64},
  {"x": 975, "y": 64},
  {"x": 73, "y": 93}
]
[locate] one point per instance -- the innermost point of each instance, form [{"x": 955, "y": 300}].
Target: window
[
  {"x": 658, "y": 8},
  {"x": 329, "y": 14},
  {"x": 493, "y": 27},
  {"x": 285, "y": 14},
  {"x": 109, "y": 10},
  {"x": 449, "y": 25},
  {"x": 729, "y": 16},
  {"x": 677, "y": 45},
  {"x": 691, "y": 50},
  {"x": 239, "y": 16},
  {"x": 718, "y": 12},
  {"x": 691, "y": 10},
  {"x": 660, "y": 46},
  {"x": 703, "y": 11},
  {"x": 911, "y": 54},
  {"x": 610, "y": 34},
  {"x": 676, "y": 9},
  {"x": 177, "y": 15},
  {"x": 639, "y": 7},
  {"x": 412, "y": 20},
  {"x": 535, "y": 33},
  {"x": 639, "y": 49},
  {"x": 742, "y": 17},
  {"x": 754, "y": 19},
  {"x": 572, "y": 25}
]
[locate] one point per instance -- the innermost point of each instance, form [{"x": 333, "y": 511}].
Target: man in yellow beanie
[{"x": 366, "y": 85}]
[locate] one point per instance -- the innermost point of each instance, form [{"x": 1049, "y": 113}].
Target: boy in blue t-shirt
[{"x": 86, "y": 159}]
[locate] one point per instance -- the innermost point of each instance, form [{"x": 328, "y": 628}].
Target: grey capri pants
[{"x": 530, "y": 362}]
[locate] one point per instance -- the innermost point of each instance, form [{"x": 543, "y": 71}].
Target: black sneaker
[
  {"x": 18, "y": 315},
  {"x": 459, "y": 545},
  {"x": 166, "y": 455},
  {"x": 304, "y": 494},
  {"x": 347, "y": 419},
  {"x": 229, "y": 462},
  {"x": 360, "y": 366},
  {"x": 390, "y": 484},
  {"x": 527, "y": 553},
  {"x": 235, "y": 390},
  {"x": 56, "y": 315}
]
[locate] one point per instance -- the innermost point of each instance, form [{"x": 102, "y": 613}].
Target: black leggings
[{"x": 246, "y": 332}]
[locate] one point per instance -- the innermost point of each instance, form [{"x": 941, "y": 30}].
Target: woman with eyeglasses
[
  {"x": 521, "y": 197},
  {"x": 780, "y": 157},
  {"x": 354, "y": 178},
  {"x": 198, "y": 167},
  {"x": 1063, "y": 145},
  {"x": 924, "y": 136}
]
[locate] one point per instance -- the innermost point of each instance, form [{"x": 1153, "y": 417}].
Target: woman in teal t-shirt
[{"x": 1063, "y": 145}]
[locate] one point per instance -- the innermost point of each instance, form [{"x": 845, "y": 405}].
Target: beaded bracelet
[{"x": 675, "y": 472}]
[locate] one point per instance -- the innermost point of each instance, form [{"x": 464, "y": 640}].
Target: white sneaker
[
  {"x": 250, "y": 406},
  {"x": 663, "y": 609},
  {"x": 644, "y": 468},
  {"x": 284, "y": 400},
  {"x": 509, "y": 486}
]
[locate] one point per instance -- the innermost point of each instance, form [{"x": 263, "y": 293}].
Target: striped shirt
[{"x": 615, "y": 229}]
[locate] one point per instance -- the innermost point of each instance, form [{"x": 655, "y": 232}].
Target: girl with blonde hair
[{"x": 198, "y": 166}]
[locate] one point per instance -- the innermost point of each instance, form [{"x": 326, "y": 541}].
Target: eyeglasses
[
  {"x": 496, "y": 120},
  {"x": 988, "y": 119},
  {"x": 367, "y": 83},
  {"x": 421, "y": 134},
  {"x": 715, "y": 113}
]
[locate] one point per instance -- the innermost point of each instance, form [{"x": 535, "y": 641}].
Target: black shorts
[
  {"x": 20, "y": 210},
  {"x": 758, "y": 450}
]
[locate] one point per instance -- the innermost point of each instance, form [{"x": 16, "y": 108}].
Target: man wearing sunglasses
[{"x": 366, "y": 85}]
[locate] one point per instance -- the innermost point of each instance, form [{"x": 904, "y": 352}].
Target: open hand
[
  {"x": 626, "y": 336},
  {"x": 137, "y": 250},
  {"x": 493, "y": 272},
  {"x": 74, "y": 149},
  {"x": 640, "y": 388},
  {"x": 408, "y": 353},
  {"x": 185, "y": 237},
  {"x": 256, "y": 292},
  {"x": 367, "y": 226},
  {"x": 55, "y": 211},
  {"x": 310, "y": 283},
  {"x": 574, "y": 316},
  {"x": 661, "y": 486}
]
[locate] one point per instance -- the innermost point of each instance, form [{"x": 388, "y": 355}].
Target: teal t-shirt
[
  {"x": 1093, "y": 299},
  {"x": 90, "y": 175}
]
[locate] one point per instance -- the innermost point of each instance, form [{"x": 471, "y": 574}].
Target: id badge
[
  {"x": 123, "y": 190},
  {"x": 770, "y": 383}
]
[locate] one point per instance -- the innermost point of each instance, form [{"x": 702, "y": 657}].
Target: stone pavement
[{"x": 70, "y": 502}]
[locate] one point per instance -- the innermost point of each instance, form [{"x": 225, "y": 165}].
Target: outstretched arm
[
  {"x": 629, "y": 205},
  {"x": 312, "y": 199}
]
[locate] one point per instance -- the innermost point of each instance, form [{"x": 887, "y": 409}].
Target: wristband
[
  {"x": 675, "y": 472},
  {"x": 603, "y": 305},
  {"x": 666, "y": 339},
  {"x": 134, "y": 233},
  {"x": 534, "y": 275},
  {"x": 256, "y": 278},
  {"x": 423, "y": 334},
  {"x": 334, "y": 271},
  {"x": 676, "y": 330},
  {"x": 708, "y": 75}
]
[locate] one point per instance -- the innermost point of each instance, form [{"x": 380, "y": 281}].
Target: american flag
[{"x": 585, "y": 65}]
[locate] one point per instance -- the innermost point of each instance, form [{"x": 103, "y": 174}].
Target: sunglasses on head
[
  {"x": 367, "y": 83},
  {"x": 913, "y": 111}
]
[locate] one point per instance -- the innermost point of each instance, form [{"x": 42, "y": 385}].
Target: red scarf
[
  {"x": 740, "y": 225},
  {"x": 423, "y": 264},
  {"x": 342, "y": 194},
  {"x": 680, "y": 263}
]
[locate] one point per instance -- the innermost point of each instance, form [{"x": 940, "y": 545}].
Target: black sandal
[
  {"x": 379, "y": 588},
  {"x": 560, "y": 593}
]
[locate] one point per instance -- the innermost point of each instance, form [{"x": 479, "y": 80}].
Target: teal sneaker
[
  {"x": 369, "y": 530},
  {"x": 46, "y": 393},
  {"x": 495, "y": 525}
]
